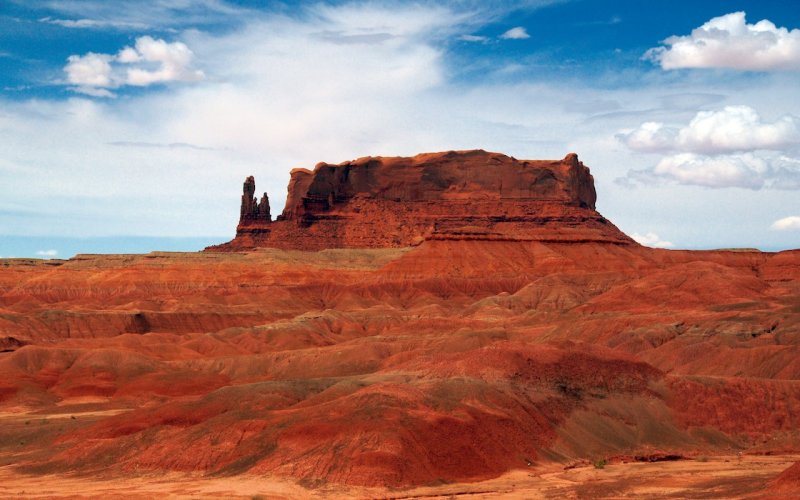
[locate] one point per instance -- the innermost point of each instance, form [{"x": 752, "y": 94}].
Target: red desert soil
[
  {"x": 709, "y": 477},
  {"x": 484, "y": 345}
]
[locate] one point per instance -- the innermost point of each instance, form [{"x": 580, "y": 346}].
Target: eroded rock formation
[
  {"x": 452, "y": 361},
  {"x": 253, "y": 212},
  {"x": 378, "y": 202}
]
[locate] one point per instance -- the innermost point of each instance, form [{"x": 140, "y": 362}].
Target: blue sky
[{"x": 128, "y": 126}]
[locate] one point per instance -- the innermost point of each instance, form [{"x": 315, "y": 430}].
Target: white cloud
[
  {"x": 93, "y": 91},
  {"x": 651, "y": 240},
  {"x": 149, "y": 61},
  {"x": 737, "y": 128},
  {"x": 90, "y": 70},
  {"x": 729, "y": 42},
  {"x": 47, "y": 253},
  {"x": 518, "y": 33},
  {"x": 731, "y": 147},
  {"x": 173, "y": 61},
  {"x": 649, "y": 137},
  {"x": 791, "y": 223},
  {"x": 731, "y": 129},
  {"x": 745, "y": 170},
  {"x": 93, "y": 23},
  {"x": 473, "y": 38}
]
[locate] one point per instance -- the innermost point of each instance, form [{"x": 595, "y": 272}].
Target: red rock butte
[{"x": 379, "y": 202}]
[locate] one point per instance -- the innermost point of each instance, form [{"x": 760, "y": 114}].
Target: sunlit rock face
[{"x": 378, "y": 202}]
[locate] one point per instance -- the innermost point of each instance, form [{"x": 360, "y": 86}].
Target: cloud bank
[{"x": 731, "y": 147}]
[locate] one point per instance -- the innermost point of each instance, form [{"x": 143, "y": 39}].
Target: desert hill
[{"x": 450, "y": 317}]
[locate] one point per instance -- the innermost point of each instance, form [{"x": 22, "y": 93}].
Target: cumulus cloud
[
  {"x": 173, "y": 60},
  {"x": 731, "y": 129},
  {"x": 47, "y": 253},
  {"x": 745, "y": 170},
  {"x": 518, "y": 33},
  {"x": 649, "y": 137},
  {"x": 737, "y": 128},
  {"x": 90, "y": 70},
  {"x": 729, "y": 42},
  {"x": 791, "y": 223},
  {"x": 731, "y": 147},
  {"x": 148, "y": 62},
  {"x": 651, "y": 240}
]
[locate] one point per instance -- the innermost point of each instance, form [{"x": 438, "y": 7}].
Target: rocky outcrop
[
  {"x": 9, "y": 344},
  {"x": 252, "y": 211},
  {"x": 377, "y": 202}
]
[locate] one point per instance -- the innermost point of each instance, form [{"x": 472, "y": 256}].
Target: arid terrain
[{"x": 474, "y": 355}]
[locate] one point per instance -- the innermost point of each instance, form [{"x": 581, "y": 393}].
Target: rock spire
[{"x": 253, "y": 211}]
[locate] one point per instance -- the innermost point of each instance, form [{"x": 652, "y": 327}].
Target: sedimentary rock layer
[{"x": 378, "y": 202}]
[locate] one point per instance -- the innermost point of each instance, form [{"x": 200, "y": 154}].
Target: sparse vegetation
[{"x": 600, "y": 464}]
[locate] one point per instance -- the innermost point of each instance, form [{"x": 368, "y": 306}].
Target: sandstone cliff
[{"x": 377, "y": 202}]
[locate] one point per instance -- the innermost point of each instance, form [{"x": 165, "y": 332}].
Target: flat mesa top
[{"x": 440, "y": 176}]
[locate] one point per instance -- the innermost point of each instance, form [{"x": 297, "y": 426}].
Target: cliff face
[{"x": 377, "y": 202}]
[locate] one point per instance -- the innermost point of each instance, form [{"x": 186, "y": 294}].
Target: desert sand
[{"x": 746, "y": 477}]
